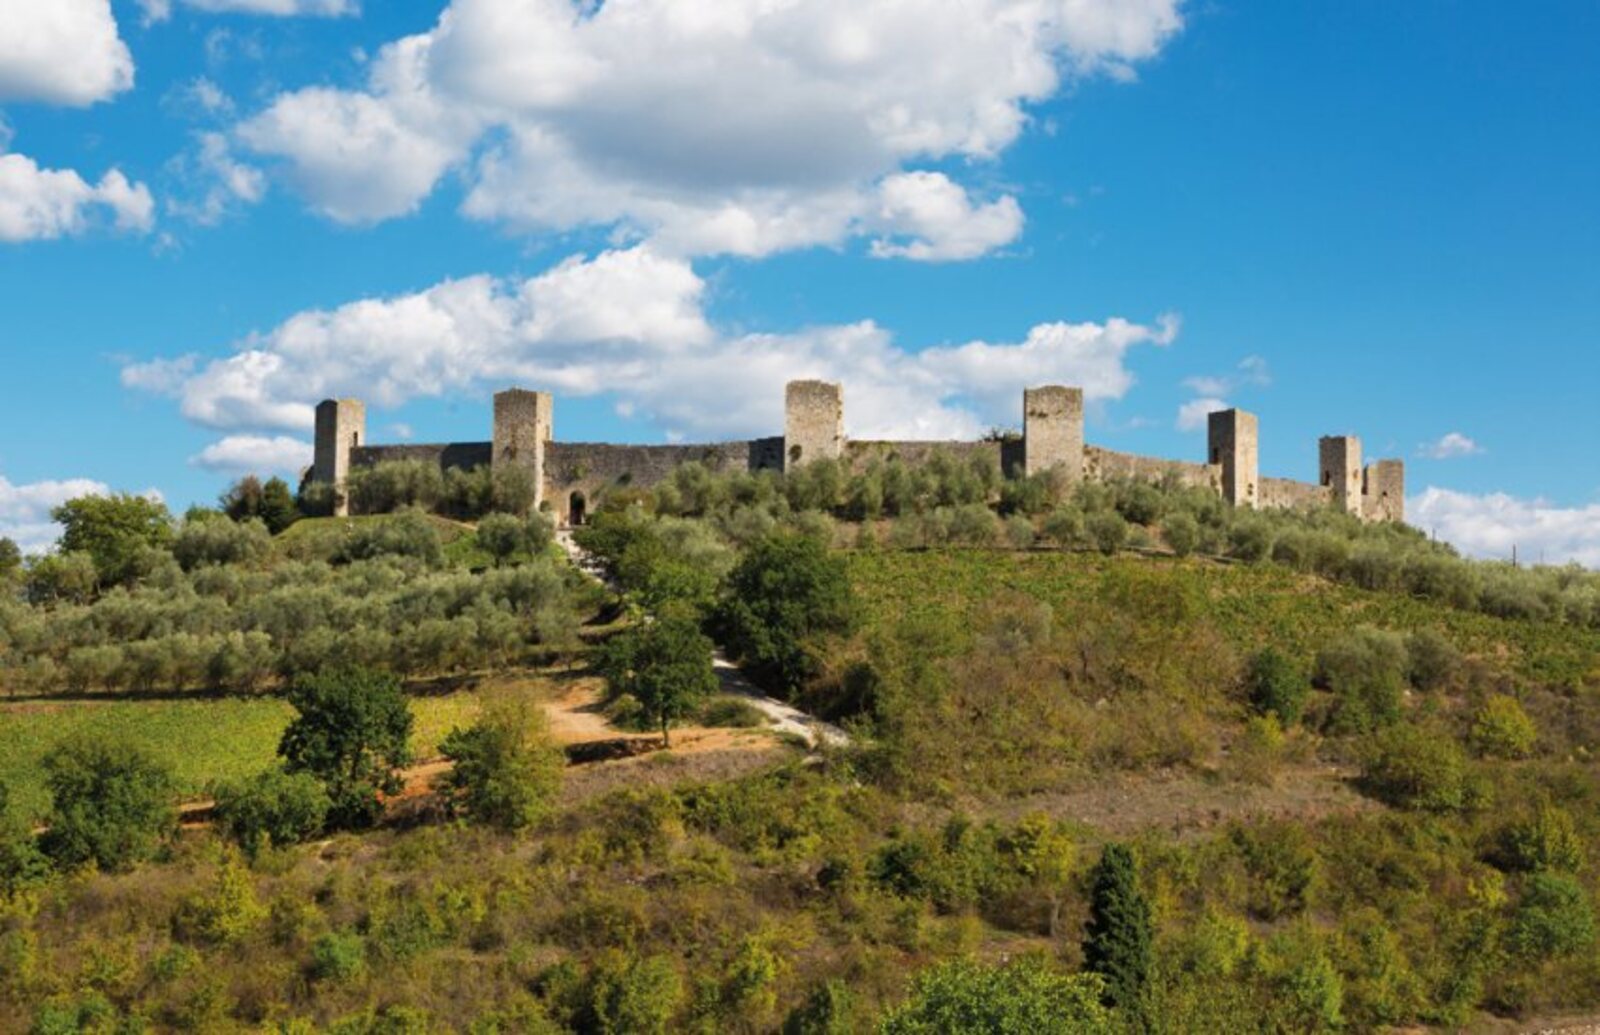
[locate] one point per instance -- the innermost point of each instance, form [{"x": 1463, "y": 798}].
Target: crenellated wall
[{"x": 572, "y": 475}]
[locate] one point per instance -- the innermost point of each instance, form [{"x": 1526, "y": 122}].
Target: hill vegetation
[{"x": 1033, "y": 681}]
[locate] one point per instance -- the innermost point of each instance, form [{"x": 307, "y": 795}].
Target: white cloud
[
  {"x": 25, "y": 509},
  {"x": 745, "y": 126},
  {"x": 1192, "y": 414},
  {"x": 43, "y": 204},
  {"x": 160, "y": 10},
  {"x": 1450, "y": 446},
  {"x": 61, "y": 52},
  {"x": 255, "y": 454},
  {"x": 1252, "y": 372},
  {"x": 630, "y": 323},
  {"x": 1490, "y": 525},
  {"x": 218, "y": 182},
  {"x": 939, "y": 219}
]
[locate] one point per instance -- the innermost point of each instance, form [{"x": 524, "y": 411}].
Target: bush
[
  {"x": 21, "y": 861},
  {"x": 507, "y": 769},
  {"x": 1545, "y": 841},
  {"x": 1434, "y": 662},
  {"x": 1107, "y": 530},
  {"x": 1026, "y": 995},
  {"x": 408, "y": 533},
  {"x": 1276, "y": 686},
  {"x": 111, "y": 804},
  {"x": 1501, "y": 729},
  {"x": 786, "y": 591},
  {"x": 502, "y": 536},
  {"x": 274, "y": 808},
  {"x": 1414, "y": 768},
  {"x": 1064, "y": 527},
  {"x": 627, "y": 996},
  {"x": 338, "y": 957},
  {"x": 351, "y": 733},
  {"x": 1365, "y": 669},
  {"x": 1555, "y": 918},
  {"x": 1182, "y": 533},
  {"x": 665, "y": 665},
  {"x": 221, "y": 542},
  {"x": 1250, "y": 539},
  {"x": 115, "y": 532}
]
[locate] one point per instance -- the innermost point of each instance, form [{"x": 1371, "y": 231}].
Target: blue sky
[{"x": 1348, "y": 218}]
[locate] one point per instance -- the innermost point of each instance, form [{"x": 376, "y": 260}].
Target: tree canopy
[{"x": 352, "y": 732}]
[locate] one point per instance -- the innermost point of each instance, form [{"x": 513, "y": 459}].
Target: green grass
[
  {"x": 202, "y": 740},
  {"x": 1251, "y": 605}
]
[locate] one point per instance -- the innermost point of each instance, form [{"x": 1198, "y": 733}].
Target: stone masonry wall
[
  {"x": 1106, "y": 465},
  {"x": 1052, "y": 431},
  {"x": 590, "y": 468},
  {"x": 448, "y": 455},
  {"x": 1287, "y": 494},
  {"x": 813, "y": 422}
]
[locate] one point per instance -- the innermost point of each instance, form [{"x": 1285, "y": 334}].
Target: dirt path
[{"x": 785, "y": 717}]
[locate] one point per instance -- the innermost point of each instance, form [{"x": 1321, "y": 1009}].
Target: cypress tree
[{"x": 1118, "y": 943}]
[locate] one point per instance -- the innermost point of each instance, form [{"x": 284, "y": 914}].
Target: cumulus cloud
[
  {"x": 1252, "y": 372},
  {"x": 217, "y": 183},
  {"x": 1489, "y": 525},
  {"x": 745, "y": 126},
  {"x": 255, "y": 454},
  {"x": 25, "y": 509},
  {"x": 43, "y": 204},
  {"x": 161, "y": 10},
  {"x": 1192, "y": 414},
  {"x": 1450, "y": 446},
  {"x": 61, "y": 52},
  {"x": 630, "y": 323}
]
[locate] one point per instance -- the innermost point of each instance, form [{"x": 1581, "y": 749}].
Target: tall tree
[
  {"x": 278, "y": 507},
  {"x": 665, "y": 664},
  {"x": 111, "y": 803},
  {"x": 352, "y": 733},
  {"x": 1118, "y": 943},
  {"x": 116, "y": 532},
  {"x": 787, "y": 590}
]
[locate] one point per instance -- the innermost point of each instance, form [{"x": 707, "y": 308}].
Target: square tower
[
  {"x": 1052, "y": 431},
  {"x": 1384, "y": 489},
  {"x": 1340, "y": 462},
  {"x": 1232, "y": 439},
  {"x": 523, "y": 422},
  {"x": 813, "y": 422},
  {"x": 341, "y": 427}
]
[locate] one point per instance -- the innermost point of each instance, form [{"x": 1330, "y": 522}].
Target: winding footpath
[{"x": 785, "y": 718}]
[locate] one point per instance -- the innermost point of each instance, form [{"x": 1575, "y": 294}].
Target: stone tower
[
  {"x": 1233, "y": 438},
  {"x": 341, "y": 427},
  {"x": 523, "y": 422},
  {"x": 1052, "y": 431},
  {"x": 1340, "y": 457},
  {"x": 1384, "y": 489},
  {"x": 813, "y": 423}
]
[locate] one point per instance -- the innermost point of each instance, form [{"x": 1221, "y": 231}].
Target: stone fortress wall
[{"x": 572, "y": 475}]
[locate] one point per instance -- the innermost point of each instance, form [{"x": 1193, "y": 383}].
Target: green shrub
[
  {"x": 271, "y": 809},
  {"x": 1182, "y": 532},
  {"x": 787, "y": 591},
  {"x": 1276, "y": 686},
  {"x": 1547, "y": 840},
  {"x": 628, "y": 996},
  {"x": 1434, "y": 663},
  {"x": 828, "y": 1010},
  {"x": 664, "y": 665},
  {"x": 1415, "y": 768},
  {"x": 507, "y": 769},
  {"x": 111, "y": 803},
  {"x": 338, "y": 957},
  {"x": 1365, "y": 670},
  {"x": 1281, "y": 861},
  {"x": 1250, "y": 539},
  {"x": 1107, "y": 530},
  {"x": 1553, "y": 919},
  {"x": 1064, "y": 527},
  {"x": 1501, "y": 729},
  {"x": 352, "y": 733},
  {"x": 1026, "y": 995},
  {"x": 221, "y": 542},
  {"x": 731, "y": 713},
  {"x": 408, "y": 533}
]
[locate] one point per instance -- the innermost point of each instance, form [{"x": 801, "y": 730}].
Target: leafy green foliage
[
  {"x": 1554, "y": 918},
  {"x": 1413, "y": 767},
  {"x": 352, "y": 733},
  {"x": 1026, "y": 995},
  {"x": 1276, "y": 686},
  {"x": 1117, "y": 944},
  {"x": 111, "y": 804},
  {"x": 271, "y": 503},
  {"x": 506, "y": 768},
  {"x": 21, "y": 861},
  {"x": 115, "y": 532},
  {"x": 787, "y": 591},
  {"x": 665, "y": 665},
  {"x": 1365, "y": 668},
  {"x": 1546, "y": 840},
  {"x": 1501, "y": 729},
  {"x": 272, "y": 809}
]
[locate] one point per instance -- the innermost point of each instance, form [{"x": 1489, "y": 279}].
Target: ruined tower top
[{"x": 813, "y": 422}]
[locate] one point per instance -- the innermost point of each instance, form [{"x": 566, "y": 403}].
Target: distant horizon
[{"x": 1357, "y": 220}]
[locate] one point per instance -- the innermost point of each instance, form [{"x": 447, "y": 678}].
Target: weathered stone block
[
  {"x": 813, "y": 422},
  {"x": 1052, "y": 431},
  {"x": 1233, "y": 439}
]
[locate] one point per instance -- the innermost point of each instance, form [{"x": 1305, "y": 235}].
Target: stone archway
[{"x": 577, "y": 509}]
